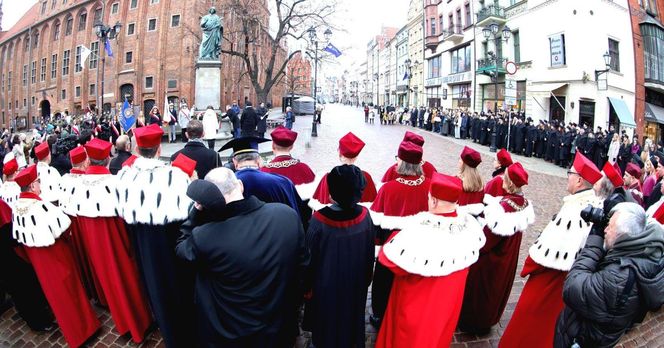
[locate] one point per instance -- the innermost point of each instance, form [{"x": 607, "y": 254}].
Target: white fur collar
[
  {"x": 50, "y": 182},
  {"x": 9, "y": 192},
  {"x": 67, "y": 184},
  {"x": 38, "y": 223},
  {"x": 435, "y": 246},
  {"x": 505, "y": 224},
  {"x": 94, "y": 196}
]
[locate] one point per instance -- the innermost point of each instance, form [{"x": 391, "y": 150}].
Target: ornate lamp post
[
  {"x": 313, "y": 38},
  {"x": 104, "y": 32},
  {"x": 492, "y": 31},
  {"x": 607, "y": 63}
]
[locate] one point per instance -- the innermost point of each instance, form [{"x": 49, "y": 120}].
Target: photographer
[{"x": 615, "y": 280}]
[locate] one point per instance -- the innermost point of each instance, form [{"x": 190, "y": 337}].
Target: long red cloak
[
  {"x": 495, "y": 186},
  {"x": 322, "y": 193},
  {"x": 298, "y": 172}
]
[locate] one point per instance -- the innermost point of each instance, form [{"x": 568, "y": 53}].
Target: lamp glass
[
  {"x": 328, "y": 34},
  {"x": 507, "y": 33},
  {"x": 607, "y": 59},
  {"x": 494, "y": 28},
  {"x": 312, "y": 33},
  {"x": 486, "y": 32}
]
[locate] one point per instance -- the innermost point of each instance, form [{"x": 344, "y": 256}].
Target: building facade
[
  {"x": 298, "y": 76},
  {"x": 154, "y": 57},
  {"x": 416, "y": 52},
  {"x": 401, "y": 51}
]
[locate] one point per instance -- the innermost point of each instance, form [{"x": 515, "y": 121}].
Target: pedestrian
[
  {"x": 624, "y": 154},
  {"x": 490, "y": 279},
  {"x": 184, "y": 116},
  {"x": 632, "y": 179},
  {"x": 284, "y": 164},
  {"x": 495, "y": 186},
  {"x": 366, "y": 114},
  {"x": 289, "y": 118},
  {"x": 123, "y": 153},
  {"x": 269, "y": 286},
  {"x": 52, "y": 260},
  {"x": 154, "y": 205},
  {"x": 417, "y": 316},
  {"x": 262, "y": 114},
  {"x": 472, "y": 197},
  {"x": 48, "y": 176},
  {"x": 614, "y": 148},
  {"x": 105, "y": 239},
  {"x": 617, "y": 275},
  {"x": 9, "y": 190},
  {"x": 341, "y": 241},
  {"x": 534, "y": 318},
  {"x": 206, "y": 159},
  {"x": 210, "y": 126},
  {"x": 155, "y": 116},
  {"x": 427, "y": 168},
  {"x": 249, "y": 120},
  {"x": 650, "y": 177}
]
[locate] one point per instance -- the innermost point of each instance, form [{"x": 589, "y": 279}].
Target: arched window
[
  {"x": 69, "y": 25},
  {"x": 82, "y": 20},
  {"x": 97, "y": 16},
  {"x": 56, "y": 31}
]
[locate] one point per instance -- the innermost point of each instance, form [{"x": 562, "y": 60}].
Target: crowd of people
[{"x": 227, "y": 255}]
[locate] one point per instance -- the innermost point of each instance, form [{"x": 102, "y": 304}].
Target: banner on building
[{"x": 557, "y": 49}]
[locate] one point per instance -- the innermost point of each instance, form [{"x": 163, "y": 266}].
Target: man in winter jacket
[
  {"x": 248, "y": 121},
  {"x": 616, "y": 279}
]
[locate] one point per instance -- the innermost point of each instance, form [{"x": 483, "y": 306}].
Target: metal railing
[
  {"x": 453, "y": 30},
  {"x": 490, "y": 11}
]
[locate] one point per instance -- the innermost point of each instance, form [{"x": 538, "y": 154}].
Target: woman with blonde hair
[
  {"x": 614, "y": 148},
  {"x": 650, "y": 176},
  {"x": 473, "y": 187}
]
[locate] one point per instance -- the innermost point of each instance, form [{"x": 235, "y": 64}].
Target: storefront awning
[
  {"x": 654, "y": 113},
  {"x": 626, "y": 118},
  {"x": 546, "y": 87}
]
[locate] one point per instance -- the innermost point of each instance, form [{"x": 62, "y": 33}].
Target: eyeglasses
[{"x": 569, "y": 172}]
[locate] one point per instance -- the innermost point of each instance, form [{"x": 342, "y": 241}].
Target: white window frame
[
  {"x": 115, "y": 6},
  {"x": 148, "y": 25},
  {"x": 179, "y": 20},
  {"x": 130, "y": 24}
]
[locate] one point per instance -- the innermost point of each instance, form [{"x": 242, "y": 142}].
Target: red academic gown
[
  {"x": 391, "y": 173},
  {"x": 534, "y": 320},
  {"x": 56, "y": 270},
  {"x": 495, "y": 186},
  {"x": 322, "y": 193},
  {"x": 109, "y": 250},
  {"x": 298, "y": 172},
  {"x": 422, "y": 311},
  {"x": 83, "y": 263},
  {"x": 473, "y": 202},
  {"x": 490, "y": 279}
]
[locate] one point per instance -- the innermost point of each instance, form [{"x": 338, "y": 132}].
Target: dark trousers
[
  {"x": 380, "y": 289},
  {"x": 211, "y": 144},
  {"x": 183, "y": 134}
]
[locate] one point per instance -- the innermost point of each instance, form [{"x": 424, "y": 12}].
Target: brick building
[
  {"x": 298, "y": 76},
  {"x": 154, "y": 56}
]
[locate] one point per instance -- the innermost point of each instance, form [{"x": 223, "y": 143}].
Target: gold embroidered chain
[
  {"x": 282, "y": 164},
  {"x": 417, "y": 182}
]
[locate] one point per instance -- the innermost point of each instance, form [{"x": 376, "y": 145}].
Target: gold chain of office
[
  {"x": 283, "y": 164},
  {"x": 407, "y": 182}
]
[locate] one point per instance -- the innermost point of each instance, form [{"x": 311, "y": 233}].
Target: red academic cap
[
  {"x": 185, "y": 163},
  {"x": 26, "y": 176},
  {"x": 504, "y": 158},
  {"x": 283, "y": 136},
  {"x": 517, "y": 174},
  {"x": 149, "y": 136},
  {"x": 410, "y": 152},
  {"x": 42, "y": 150},
  {"x": 350, "y": 145},
  {"x": 471, "y": 157},
  {"x": 633, "y": 170},
  {"x": 659, "y": 214},
  {"x": 10, "y": 167},
  {"x": 98, "y": 149},
  {"x": 77, "y": 155},
  {"x": 445, "y": 187},
  {"x": 414, "y": 138},
  {"x": 613, "y": 175},
  {"x": 586, "y": 169}
]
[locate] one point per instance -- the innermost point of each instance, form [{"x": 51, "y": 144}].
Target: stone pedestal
[{"x": 208, "y": 92}]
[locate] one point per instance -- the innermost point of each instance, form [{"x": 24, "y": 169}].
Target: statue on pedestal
[{"x": 213, "y": 29}]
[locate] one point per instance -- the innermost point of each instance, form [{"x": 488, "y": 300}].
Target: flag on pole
[
  {"x": 405, "y": 76},
  {"x": 165, "y": 110},
  {"x": 331, "y": 49},
  {"x": 107, "y": 46},
  {"x": 127, "y": 118},
  {"x": 85, "y": 53}
]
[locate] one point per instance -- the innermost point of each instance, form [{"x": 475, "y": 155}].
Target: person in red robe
[
  {"x": 350, "y": 147},
  {"x": 284, "y": 164},
  {"x": 490, "y": 279},
  {"x": 549, "y": 259},
  {"x": 48, "y": 176},
  {"x": 405, "y": 196},
  {"x": 429, "y": 257},
  {"x": 427, "y": 168},
  {"x": 9, "y": 190},
  {"x": 495, "y": 186},
  {"x": 472, "y": 197},
  {"x": 632, "y": 179},
  {"x": 38, "y": 226},
  {"x": 107, "y": 244}
]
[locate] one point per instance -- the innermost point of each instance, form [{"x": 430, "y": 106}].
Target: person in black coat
[
  {"x": 624, "y": 154},
  {"x": 262, "y": 113},
  {"x": 123, "y": 150},
  {"x": 255, "y": 253},
  {"x": 248, "y": 121},
  {"x": 531, "y": 139},
  {"x": 551, "y": 143},
  {"x": 206, "y": 159},
  {"x": 519, "y": 137}
]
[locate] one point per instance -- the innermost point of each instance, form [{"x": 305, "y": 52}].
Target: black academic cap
[
  {"x": 346, "y": 183},
  {"x": 207, "y": 194},
  {"x": 243, "y": 145}
]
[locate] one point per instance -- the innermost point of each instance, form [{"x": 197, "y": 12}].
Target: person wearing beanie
[
  {"x": 350, "y": 147},
  {"x": 549, "y": 260},
  {"x": 48, "y": 176},
  {"x": 397, "y": 199},
  {"x": 632, "y": 178},
  {"x": 284, "y": 164},
  {"x": 495, "y": 186},
  {"x": 341, "y": 240},
  {"x": 52, "y": 260},
  {"x": 427, "y": 168},
  {"x": 430, "y": 257},
  {"x": 473, "y": 188},
  {"x": 104, "y": 236},
  {"x": 490, "y": 279}
]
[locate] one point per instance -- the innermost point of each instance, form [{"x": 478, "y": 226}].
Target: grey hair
[
  {"x": 244, "y": 157},
  {"x": 224, "y": 179},
  {"x": 605, "y": 188},
  {"x": 631, "y": 220},
  {"x": 409, "y": 169}
]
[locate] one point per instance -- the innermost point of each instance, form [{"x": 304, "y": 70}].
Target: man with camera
[{"x": 615, "y": 280}]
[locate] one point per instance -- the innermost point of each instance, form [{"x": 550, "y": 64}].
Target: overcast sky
[{"x": 360, "y": 19}]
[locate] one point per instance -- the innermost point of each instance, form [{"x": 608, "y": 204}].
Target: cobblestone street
[{"x": 546, "y": 189}]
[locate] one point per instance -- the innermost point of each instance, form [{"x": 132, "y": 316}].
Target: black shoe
[{"x": 375, "y": 321}]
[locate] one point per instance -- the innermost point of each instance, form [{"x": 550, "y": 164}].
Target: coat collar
[
  {"x": 243, "y": 207},
  {"x": 97, "y": 170},
  {"x": 29, "y": 195}
]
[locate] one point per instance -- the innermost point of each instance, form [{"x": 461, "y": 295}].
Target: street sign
[
  {"x": 510, "y": 91},
  {"x": 510, "y": 68},
  {"x": 510, "y": 101}
]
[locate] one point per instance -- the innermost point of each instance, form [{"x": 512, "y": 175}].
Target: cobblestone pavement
[{"x": 546, "y": 189}]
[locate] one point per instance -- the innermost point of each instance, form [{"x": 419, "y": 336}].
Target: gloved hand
[{"x": 598, "y": 230}]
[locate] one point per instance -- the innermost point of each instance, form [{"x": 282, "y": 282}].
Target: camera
[
  {"x": 593, "y": 215},
  {"x": 600, "y": 216}
]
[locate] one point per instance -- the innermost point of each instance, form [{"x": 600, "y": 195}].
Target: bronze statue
[{"x": 213, "y": 30}]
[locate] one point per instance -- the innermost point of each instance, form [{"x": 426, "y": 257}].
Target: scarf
[{"x": 649, "y": 244}]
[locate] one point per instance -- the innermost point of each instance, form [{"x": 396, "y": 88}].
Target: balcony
[
  {"x": 487, "y": 66},
  {"x": 431, "y": 42},
  {"x": 491, "y": 14},
  {"x": 454, "y": 33}
]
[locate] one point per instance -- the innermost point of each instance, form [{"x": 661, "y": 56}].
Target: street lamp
[
  {"x": 607, "y": 63},
  {"x": 492, "y": 31},
  {"x": 313, "y": 38},
  {"x": 104, "y": 32}
]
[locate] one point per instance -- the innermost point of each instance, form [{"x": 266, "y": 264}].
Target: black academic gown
[
  {"x": 519, "y": 137},
  {"x": 531, "y": 139},
  {"x": 552, "y": 137},
  {"x": 540, "y": 145},
  {"x": 341, "y": 242},
  {"x": 250, "y": 268}
]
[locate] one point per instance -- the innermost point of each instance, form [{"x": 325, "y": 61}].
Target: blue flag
[
  {"x": 107, "y": 46},
  {"x": 330, "y": 48},
  {"x": 405, "y": 76},
  {"x": 127, "y": 118}
]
